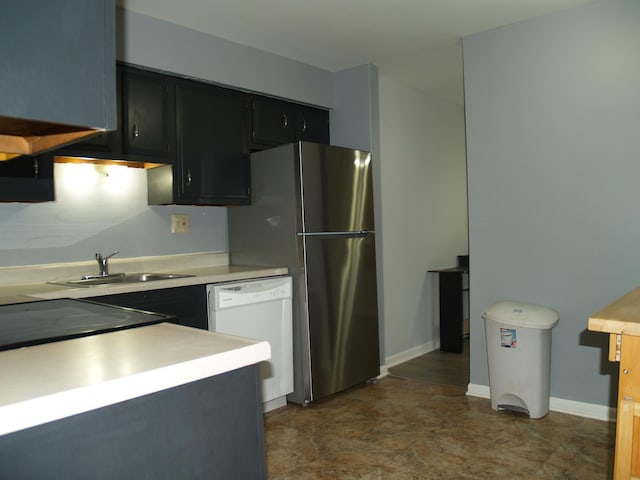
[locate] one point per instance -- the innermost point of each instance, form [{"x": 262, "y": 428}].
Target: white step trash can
[{"x": 519, "y": 353}]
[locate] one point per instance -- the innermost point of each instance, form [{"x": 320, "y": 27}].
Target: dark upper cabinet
[
  {"x": 276, "y": 122},
  {"x": 146, "y": 125},
  {"x": 273, "y": 122},
  {"x": 58, "y": 62},
  {"x": 313, "y": 125},
  {"x": 146, "y": 121},
  {"x": 203, "y": 134},
  {"x": 212, "y": 161},
  {"x": 27, "y": 179}
]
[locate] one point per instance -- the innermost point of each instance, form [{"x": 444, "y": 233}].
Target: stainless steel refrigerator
[{"x": 312, "y": 211}]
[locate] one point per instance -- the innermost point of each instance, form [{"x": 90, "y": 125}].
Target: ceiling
[{"x": 415, "y": 42}]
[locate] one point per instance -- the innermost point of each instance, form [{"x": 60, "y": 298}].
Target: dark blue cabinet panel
[
  {"x": 208, "y": 429},
  {"x": 58, "y": 63}
]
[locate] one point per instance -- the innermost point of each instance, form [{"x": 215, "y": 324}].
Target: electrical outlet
[{"x": 179, "y": 223}]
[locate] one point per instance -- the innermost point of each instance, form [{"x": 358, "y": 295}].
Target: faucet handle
[
  {"x": 100, "y": 258},
  {"x": 102, "y": 262}
]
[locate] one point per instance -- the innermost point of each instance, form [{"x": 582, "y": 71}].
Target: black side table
[{"x": 451, "y": 291}]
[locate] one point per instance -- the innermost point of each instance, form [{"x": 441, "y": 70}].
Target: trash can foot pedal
[{"x": 513, "y": 408}]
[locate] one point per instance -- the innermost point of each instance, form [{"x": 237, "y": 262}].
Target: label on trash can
[{"x": 508, "y": 338}]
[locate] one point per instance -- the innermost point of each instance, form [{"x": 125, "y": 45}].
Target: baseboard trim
[
  {"x": 398, "y": 358},
  {"x": 571, "y": 407},
  {"x": 475, "y": 390},
  {"x": 580, "y": 409}
]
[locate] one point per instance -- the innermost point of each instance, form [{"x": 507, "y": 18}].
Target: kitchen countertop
[
  {"x": 29, "y": 283},
  {"x": 620, "y": 317},
  {"x": 48, "y": 382}
]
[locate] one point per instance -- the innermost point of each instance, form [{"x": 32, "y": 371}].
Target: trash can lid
[{"x": 522, "y": 315}]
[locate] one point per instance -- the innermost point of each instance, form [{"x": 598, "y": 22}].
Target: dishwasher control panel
[{"x": 250, "y": 292}]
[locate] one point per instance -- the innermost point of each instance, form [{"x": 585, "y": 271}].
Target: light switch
[{"x": 179, "y": 223}]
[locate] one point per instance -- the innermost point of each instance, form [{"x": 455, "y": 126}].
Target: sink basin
[{"x": 118, "y": 278}]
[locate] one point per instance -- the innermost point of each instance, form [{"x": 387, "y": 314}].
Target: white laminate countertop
[
  {"x": 29, "y": 283},
  {"x": 48, "y": 382}
]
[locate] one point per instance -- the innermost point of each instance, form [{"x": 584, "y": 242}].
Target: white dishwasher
[{"x": 260, "y": 309}]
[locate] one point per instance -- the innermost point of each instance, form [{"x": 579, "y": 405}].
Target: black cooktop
[{"x": 46, "y": 321}]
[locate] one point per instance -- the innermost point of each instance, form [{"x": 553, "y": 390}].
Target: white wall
[
  {"x": 424, "y": 209},
  {"x": 553, "y": 109}
]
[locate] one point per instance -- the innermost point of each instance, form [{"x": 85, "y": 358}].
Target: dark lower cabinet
[
  {"x": 27, "y": 179},
  {"x": 208, "y": 429},
  {"x": 187, "y": 304}
]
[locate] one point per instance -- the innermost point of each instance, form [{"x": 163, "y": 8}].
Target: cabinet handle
[
  {"x": 285, "y": 120},
  {"x": 135, "y": 131},
  {"x": 188, "y": 182},
  {"x": 35, "y": 168},
  {"x": 304, "y": 124}
]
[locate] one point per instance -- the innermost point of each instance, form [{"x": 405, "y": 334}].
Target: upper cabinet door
[
  {"x": 212, "y": 164},
  {"x": 145, "y": 126},
  {"x": 27, "y": 179},
  {"x": 274, "y": 122},
  {"x": 313, "y": 125}
]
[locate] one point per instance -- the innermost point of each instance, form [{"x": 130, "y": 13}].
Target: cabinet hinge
[{"x": 615, "y": 345}]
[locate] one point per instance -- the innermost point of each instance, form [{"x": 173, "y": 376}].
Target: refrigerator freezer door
[
  {"x": 337, "y": 193},
  {"x": 343, "y": 311}
]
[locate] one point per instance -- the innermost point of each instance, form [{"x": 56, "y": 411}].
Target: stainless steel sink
[{"x": 118, "y": 278}]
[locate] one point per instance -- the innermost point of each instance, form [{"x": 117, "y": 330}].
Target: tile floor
[
  {"x": 412, "y": 429},
  {"x": 441, "y": 368}
]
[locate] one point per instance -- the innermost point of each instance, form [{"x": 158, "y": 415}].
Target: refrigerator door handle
[{"x": 360, "y": 233}]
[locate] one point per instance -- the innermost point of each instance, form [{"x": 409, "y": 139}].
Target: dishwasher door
[{"x": 259, "y": 309}]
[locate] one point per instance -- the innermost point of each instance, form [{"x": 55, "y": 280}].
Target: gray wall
[
  {"x": 161, "y": 45},
  {"x": 552, "y": 112},
  {"x": 96, "y": 212},
  {"x": 353, "y": 120}
]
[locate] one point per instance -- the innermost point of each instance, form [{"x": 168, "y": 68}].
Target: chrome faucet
[{"x": 102, "y": 262}]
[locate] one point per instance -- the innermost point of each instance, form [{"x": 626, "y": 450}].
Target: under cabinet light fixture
[{"x": 102, "y": 161}]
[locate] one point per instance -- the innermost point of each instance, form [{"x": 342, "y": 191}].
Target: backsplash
[{"x": 102, "y": 208}]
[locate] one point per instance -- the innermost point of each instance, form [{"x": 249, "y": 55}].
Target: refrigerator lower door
[{"x": 342, "y": 311}]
